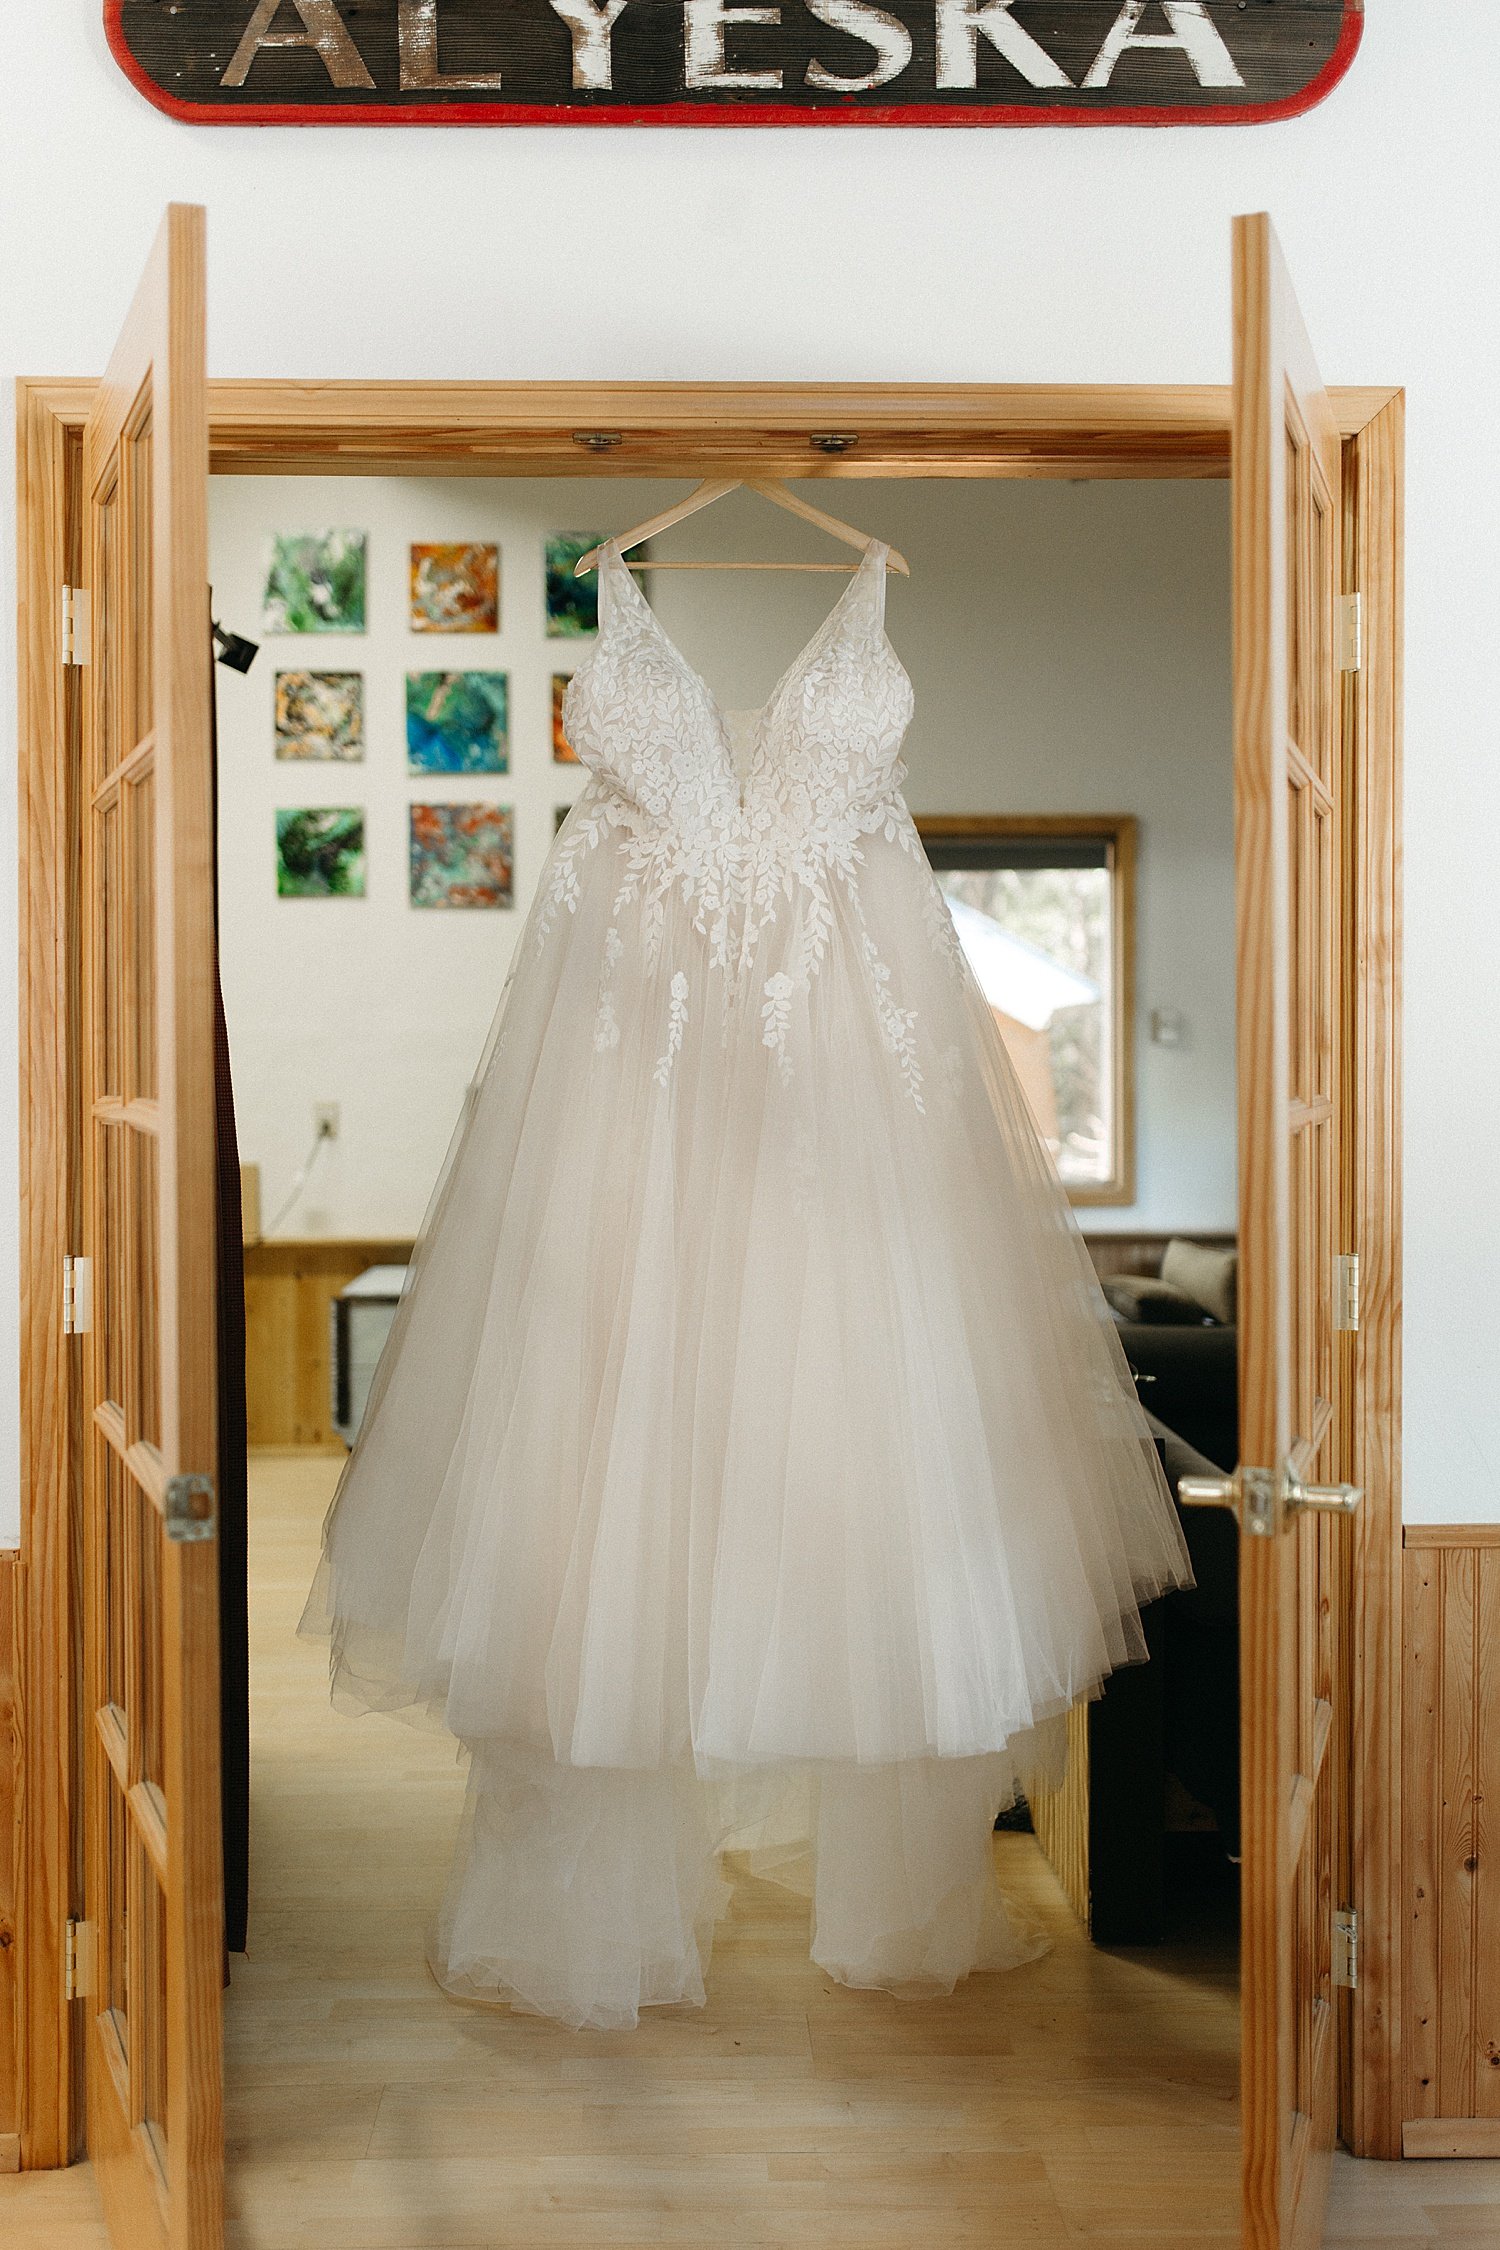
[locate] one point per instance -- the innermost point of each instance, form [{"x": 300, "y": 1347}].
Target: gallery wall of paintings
[
  {"x": 392, "y": 773},
  {"x": 392, "y": 768}
]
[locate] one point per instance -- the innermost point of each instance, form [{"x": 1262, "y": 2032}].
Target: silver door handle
[
  {"x": 1256, "y": 1498},
  {"x": 1323, "y": 1499}
]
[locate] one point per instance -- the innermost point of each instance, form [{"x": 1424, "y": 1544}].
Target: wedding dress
[{"x": 753, "y": 1463}]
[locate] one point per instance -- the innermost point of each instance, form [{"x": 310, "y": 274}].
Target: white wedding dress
[{"x": 753, "y": 1463}]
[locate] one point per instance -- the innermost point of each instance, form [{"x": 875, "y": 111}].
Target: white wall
[
  {"x": 1069, "y": 645},
  {"x": 981, "y": 255}
]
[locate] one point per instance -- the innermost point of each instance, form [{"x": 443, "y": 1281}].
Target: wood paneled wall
[
  {"x": 1451, "y": 1842},
  {"x": 10, "y": 1807},
  {"x": 1060, "y": 1815},
  {"x": 289, "y": 1287}
]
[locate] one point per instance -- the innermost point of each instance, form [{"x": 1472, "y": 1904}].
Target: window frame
[{"x": 1117, "y": 832}]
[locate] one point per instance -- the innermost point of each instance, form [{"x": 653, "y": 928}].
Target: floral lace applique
[{"x": 824, "y": 775}]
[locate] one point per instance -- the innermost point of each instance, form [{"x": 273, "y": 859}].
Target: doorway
[
  {"x": 1069, "y": 648},
  {"x": 990, "y": 433}
]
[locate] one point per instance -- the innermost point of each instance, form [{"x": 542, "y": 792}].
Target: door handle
[
  {"x": 1321, "y": 1499},
  {"x": 1256, "y": 1498}
]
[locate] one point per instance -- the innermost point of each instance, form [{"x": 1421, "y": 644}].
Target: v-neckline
[{"x": 873, "y": 556}]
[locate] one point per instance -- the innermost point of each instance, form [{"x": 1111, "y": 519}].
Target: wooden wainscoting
[
  {"x": 10, "y": 1808},
  {"x": 1060, "y": 1814},
  {"x": 1451, "y": 1844},
  {"x": 289, "y": 1288}
]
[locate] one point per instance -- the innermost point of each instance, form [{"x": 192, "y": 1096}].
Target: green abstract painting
[
  {"x": 320, "y": 851},
  {"x": 572, "y": 603},
  {"x": 315, "y": 582}
]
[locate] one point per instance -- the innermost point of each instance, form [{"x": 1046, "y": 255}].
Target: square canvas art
[
  {"x": 320, "y": 715},
  {"x": 455, "y": 589},
  {"x": 315, "y": 582},
  {"x": 457, "y": 722},
  {"x": 461, "y": 855},
  {"x": 572, "y": 603},
  {"x": 562, "y": 748},
  {"x": 320, "y": 851}
]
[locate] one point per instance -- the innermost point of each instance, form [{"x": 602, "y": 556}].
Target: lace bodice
[
  {"x": 828, "y": 739},
  {"x": 823, "y": 775}
]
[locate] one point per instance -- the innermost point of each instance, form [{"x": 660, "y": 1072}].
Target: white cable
[{"x": 298, "y": 1184}]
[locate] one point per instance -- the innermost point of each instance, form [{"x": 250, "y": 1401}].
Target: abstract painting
[
  {"x": 572, "y": 603},
  {"x": 320, "y": 852},
  {"x": 315, "y": 582},
  {"x": 457, "y": 722},
  {"x": 562, "y": 748},
  {"x": 320, "y": 715},
  {"x": 461, "y": 855},
  {"x": 455, "y": 589}
]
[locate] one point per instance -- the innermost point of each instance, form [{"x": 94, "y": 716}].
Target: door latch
[{"x": 1345, "y": 1948}]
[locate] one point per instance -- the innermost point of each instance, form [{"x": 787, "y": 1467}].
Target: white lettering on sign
[
  {"x": 704, "y": 23},
  {"x": 1201, "y": 42},
  {"x": 961, "y": 24},
  {"x": 590, "y": 22},
  {"x": 323, "y": 30},
  {"x": 887, "y": 34},
  {"x": 417, "y": 41}
]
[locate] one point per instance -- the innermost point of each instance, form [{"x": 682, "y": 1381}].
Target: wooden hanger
[{"x": 716, "y": 488}]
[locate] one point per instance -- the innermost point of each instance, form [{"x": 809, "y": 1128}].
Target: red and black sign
[{"x": 734, "y": 62}]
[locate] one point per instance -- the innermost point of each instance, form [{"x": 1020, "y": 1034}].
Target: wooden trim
[
  {"x": 50, "y": 422},
  {"x": 272, "y": 428},
  {"x": 469, "y": 429},
  {"x": 1119, "y": 832},
  {"x": 1450, "y": 1884},
  {"x": 10, "y": 1781},
  {"x": 1450, "y": 2136},
  {"x": 1371, "y": 1128},
  {"x": 1451, "y": 1535}
]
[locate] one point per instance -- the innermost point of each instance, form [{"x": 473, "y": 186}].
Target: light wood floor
[{"x": 1084, "y": 2096}]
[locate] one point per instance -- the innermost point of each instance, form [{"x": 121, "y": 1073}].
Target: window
[{"x": 1045, "y": 911}]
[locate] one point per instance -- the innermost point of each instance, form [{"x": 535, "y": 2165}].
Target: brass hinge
[
  {"x": 1351, "y": 632},
  {"x": 188, "y": 1509},
  {"x": 78, "y": 1296},
  {"x": 1346, "y": 1294},
  {"x": 75, "y": 625},
  {"x": 1346, "y": 1948},
  {"x": 80, "y": 1952}
]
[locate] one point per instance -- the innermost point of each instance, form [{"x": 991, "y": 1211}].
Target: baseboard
[{"x": 1450, "y": 2136}]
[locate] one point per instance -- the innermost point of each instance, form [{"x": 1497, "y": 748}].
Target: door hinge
[
  {"x": 1346, "y": 1949},
  {"x": 78, "y": 1296},
  {"x": 79, "y": 1954},
  {"x": 1351, "y": 632},
  {"x": 1346, "y": 1294},
  {"x": 188, "y": 1509},
  {"x": 75, "y": 625}
]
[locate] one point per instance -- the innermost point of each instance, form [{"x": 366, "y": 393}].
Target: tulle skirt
[{"x": 753, "y": 1463}]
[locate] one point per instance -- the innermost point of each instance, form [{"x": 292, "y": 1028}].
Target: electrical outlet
[{"x": 326, "y": 1120}]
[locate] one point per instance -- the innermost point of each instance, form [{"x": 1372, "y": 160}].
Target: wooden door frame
[{"x": 656, "y": 430}]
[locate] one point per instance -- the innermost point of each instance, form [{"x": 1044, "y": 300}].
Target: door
[
  {"x": 1293, "y": 1564},
  {"x": 151, "y": 1835}
]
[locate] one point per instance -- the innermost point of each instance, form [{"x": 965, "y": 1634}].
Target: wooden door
[
  {"x": 153, "y": 1967},
  {"x": 1288, "y": 756}
]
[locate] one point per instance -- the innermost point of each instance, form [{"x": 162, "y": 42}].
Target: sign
[{"x": 728, "y": 62}]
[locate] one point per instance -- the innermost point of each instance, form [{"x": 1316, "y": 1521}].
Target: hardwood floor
[
  {"x": 1088, "y": 2096},
  {"x": 1085, "y": 2094}
]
